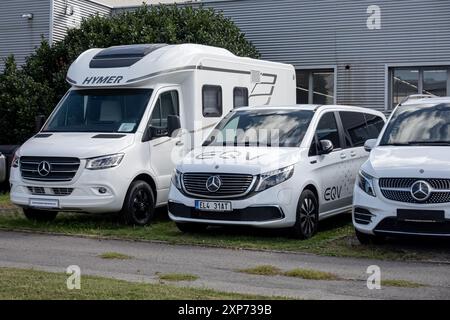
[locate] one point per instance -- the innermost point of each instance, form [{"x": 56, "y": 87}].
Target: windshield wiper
[{"x": 395, "y": 144}]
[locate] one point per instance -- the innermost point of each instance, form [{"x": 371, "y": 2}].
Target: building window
[
  {"x": 212, "y": 101},
  {"x": 418, "y": 80},
  {"x": 240, "y": 97},
  {"x": 315, "y": 86}
]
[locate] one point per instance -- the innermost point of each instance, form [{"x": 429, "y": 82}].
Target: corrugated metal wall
[
  {"x": 316, "y": 33},
  {"x": 20, "y": 36},
  {"x": 79, "y": 8}
]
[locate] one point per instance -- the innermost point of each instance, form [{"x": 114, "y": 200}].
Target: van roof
[
  {"x": 427, "y": 101},
  {"x": 129, "y": 64}
]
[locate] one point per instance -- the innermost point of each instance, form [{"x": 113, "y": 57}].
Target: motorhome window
[
  {"x": 356, "y": 130},
  {"x": 374, "y": 125},
  {"x": 240, "y": 97},
  {"x": 273, "y": 128},
  {"x": 327, "y": 129},
  {"x": 212, "y": 101},
  {"x": 167, "y": 104},
  {"x": 419, "y": 125},
  {"x": 100, "y": 110}
]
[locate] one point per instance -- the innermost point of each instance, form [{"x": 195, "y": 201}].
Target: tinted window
[
  {"x": 374, "y": 125},
  {"x": 327, "y": 129},
  {"x": 240, "y": 97},
  {"x": 419, "y": 125},
  {"x": 212, "y": 101},
  {"x": 100, "y": 110},
  {"x": 166, "y": 105},
  {"x": 283, "y": 128}
]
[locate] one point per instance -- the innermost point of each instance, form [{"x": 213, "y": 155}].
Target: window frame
[
  {"x": 315, "y": 139},
  {"x": 234, "y": 96},
  {"x": 317, "y": 69},
  {"x": 220, "y": 100}
]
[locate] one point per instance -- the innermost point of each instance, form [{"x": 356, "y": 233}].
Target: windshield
[
  {"x": 100, "y": 110},
  {"x": 276, "y": 128},
  {"x": 419, "y": 125}
]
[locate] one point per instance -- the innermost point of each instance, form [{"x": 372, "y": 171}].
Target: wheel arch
[{"x": 149, "y": 179}]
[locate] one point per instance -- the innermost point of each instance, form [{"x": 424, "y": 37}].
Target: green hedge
[{"x": 38, "y": 86}]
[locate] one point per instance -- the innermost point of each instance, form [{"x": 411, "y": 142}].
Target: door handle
[
  {"x": 179, "y": 143},
  {"x": 343, "y": 156}
]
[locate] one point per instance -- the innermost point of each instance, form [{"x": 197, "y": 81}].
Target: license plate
[
  {"x": 44, "y": 203},
  {"x": 213, "y": 205},
  {"x": 421, "y": 215}
]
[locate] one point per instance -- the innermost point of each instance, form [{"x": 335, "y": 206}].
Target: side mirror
[
  {"x": 370, "y": 144},
  {"x": 39, "y": 122},
  {"x": 325, "y": 147},
  {"x": 173, "y": 124}
]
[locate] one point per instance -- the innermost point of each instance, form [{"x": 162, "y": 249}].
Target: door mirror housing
[
  {"x": 325, "y": 147},
  {"x": 370, "y": 144},
  {"x": 173, "y": 124}
]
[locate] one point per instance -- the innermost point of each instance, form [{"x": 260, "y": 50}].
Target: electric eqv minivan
[{"x": 274, "y": 167}]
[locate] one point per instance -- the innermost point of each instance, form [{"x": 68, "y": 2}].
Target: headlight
[
  {"x": 104, "y": 162},
  {"x": 272, "y": 178},
  {"x": 365, "y": 182},
  {"x": 15, "y": 161},
  {"x": 176, "y": 179}
]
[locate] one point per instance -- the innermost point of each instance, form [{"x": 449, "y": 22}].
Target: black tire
[
  {"x": 368, "y": 239},
  {"x": 139, "y": 205},
  {"x": 307, "y": 220},
  {"x": 39, "y": 215},
  {"x": 187, "y": 227}
]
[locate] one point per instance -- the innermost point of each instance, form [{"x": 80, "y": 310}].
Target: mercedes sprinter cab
[
  {"x": 112, "y": 142},
  {"x": 404, "y": 186},
  {"x": 274, "y": 167}
]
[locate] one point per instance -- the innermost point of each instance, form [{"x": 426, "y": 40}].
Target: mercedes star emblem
[
  {"x": 213, "y": 183},
  {"x": 421, "y": 190},
  {"x": 44, "y": 168}
]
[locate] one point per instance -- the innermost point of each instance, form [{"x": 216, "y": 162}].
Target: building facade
[{"x": 369, "y": 53}]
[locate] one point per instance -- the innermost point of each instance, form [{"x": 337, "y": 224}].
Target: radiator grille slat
[
  {"x": 61, "y": 168},
  {"x": 232, "y": 185}
]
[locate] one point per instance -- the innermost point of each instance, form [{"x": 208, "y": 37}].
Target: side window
[
  {"x": 355, "y": 128},
  {"x": 212, "y": 101},
  {"x": 167, "y": 104},
  {"x": 327, "y": 129},
  {"x": 240, "y": 97},
  {"x": 374, "y": 125}
]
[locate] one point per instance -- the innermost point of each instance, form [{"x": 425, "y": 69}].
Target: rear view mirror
[
  {"x": 325, "y": 147},
  {"x": 370, "y": 144},
  {"x": 173, "y": 124}
]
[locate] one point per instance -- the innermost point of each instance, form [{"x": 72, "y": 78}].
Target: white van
[
  {"x": 274, "y": 167},
  {"x": 109, "y": 144},
  {"x": 404, "y": 187}
]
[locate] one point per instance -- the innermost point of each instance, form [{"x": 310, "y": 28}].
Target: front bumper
[
  {"x": 272, "y": 208},
  {"x": 377, "y": 215},
  {"x": 84, "y": 196}
]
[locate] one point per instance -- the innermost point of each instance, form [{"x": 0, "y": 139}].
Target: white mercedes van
[
  {"x": 112, "y": 142},
  {"x": 404, "y": 187},
  {"x": 274, "y": 167}
]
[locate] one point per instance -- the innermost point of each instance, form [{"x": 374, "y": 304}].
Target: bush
[{"x": 40, "y": 84}]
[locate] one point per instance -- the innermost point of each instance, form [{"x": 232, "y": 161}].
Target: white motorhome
[{"x": 109, "y": 145}]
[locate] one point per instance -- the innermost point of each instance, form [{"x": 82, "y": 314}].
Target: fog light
[{"x": 102, "y": 190}]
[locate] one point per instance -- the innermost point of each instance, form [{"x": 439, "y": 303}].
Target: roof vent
[{"x": 123, "y": 56}]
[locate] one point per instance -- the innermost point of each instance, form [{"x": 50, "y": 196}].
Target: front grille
[
  {"x": 399, "y": 189},
  {"x": 50, "y": 191},
  {"x": 61, "y": 169},
  {"x": 233, "y": 185}
]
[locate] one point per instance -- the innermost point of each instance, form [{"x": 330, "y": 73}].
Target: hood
[
  {"x": 79, "y": 145},
  {"x": 410, "y": 162},
  {"x": 249, "y": 160}
]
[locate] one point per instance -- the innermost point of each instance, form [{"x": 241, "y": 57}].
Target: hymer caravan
[{"x": 110, "y": 144}]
